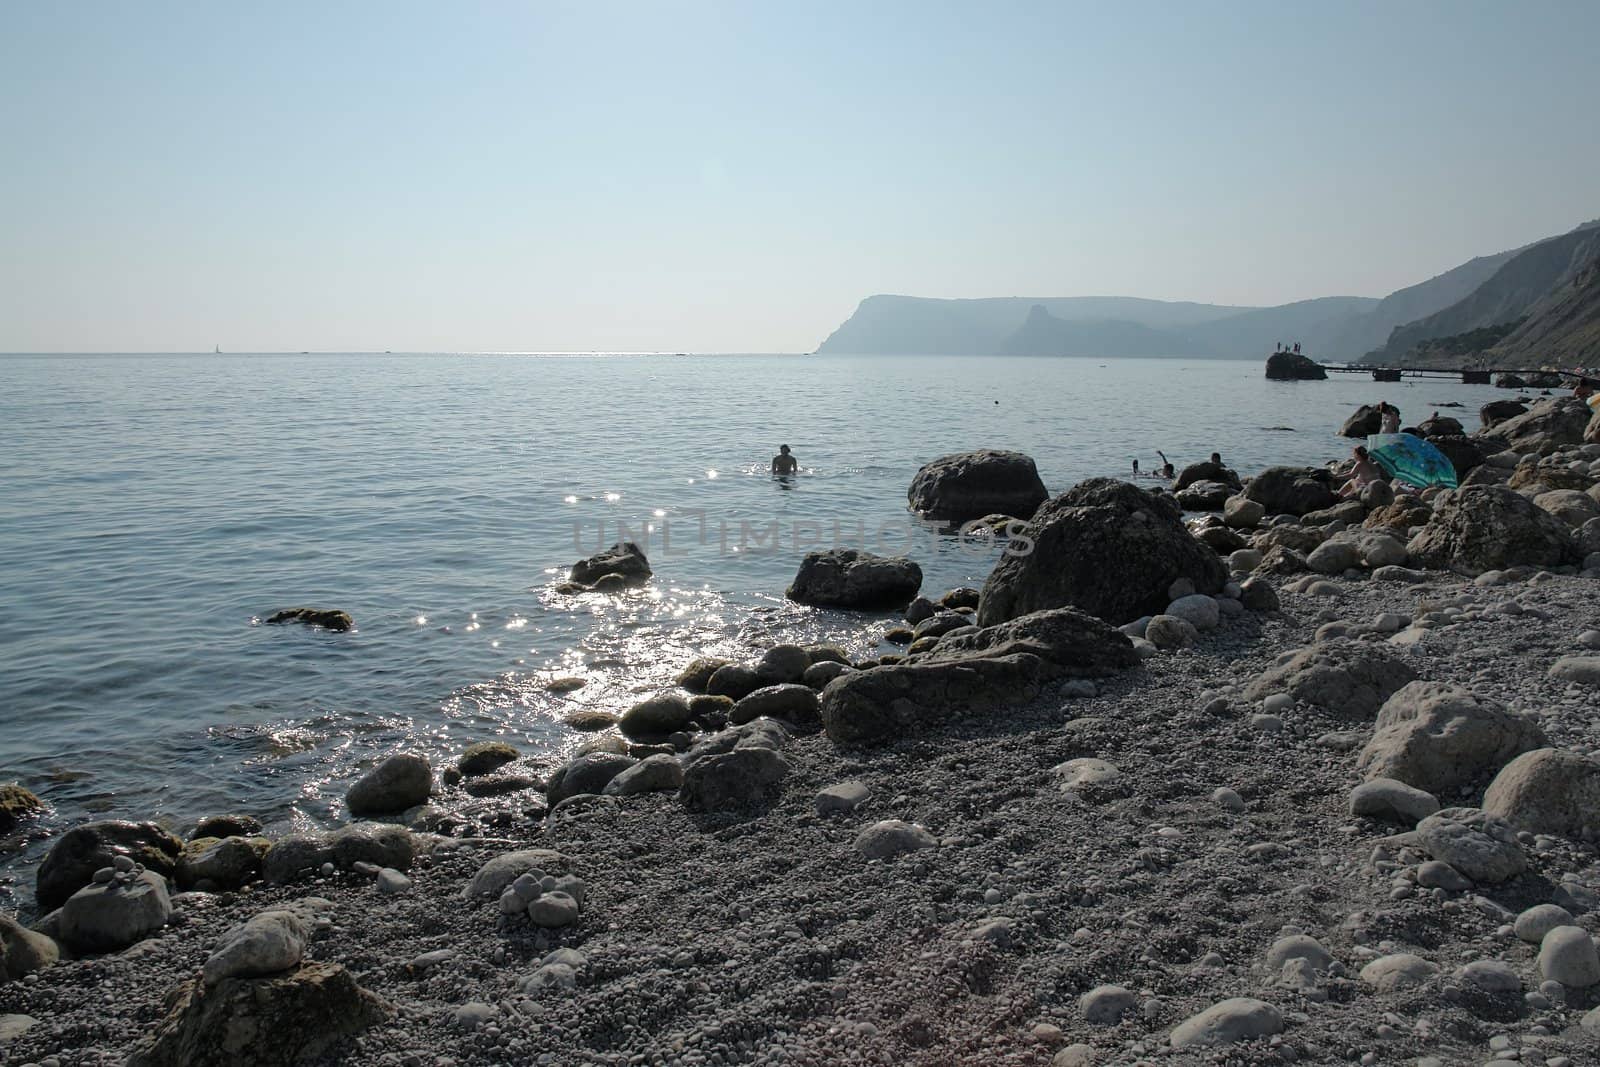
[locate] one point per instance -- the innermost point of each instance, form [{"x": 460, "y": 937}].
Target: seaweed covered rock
[
  {"x": 624, "y": 561},
  {"x": 970, "y": 485},
  {"x": 322, "y": 618},
  {"x": 1106, "y": 548}
]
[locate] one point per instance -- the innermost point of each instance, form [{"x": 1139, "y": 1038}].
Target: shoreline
[{"x": 770, "y": 935}]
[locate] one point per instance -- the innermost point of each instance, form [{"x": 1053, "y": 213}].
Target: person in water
[
  {"x": 1136, "y": 468},
  {"x": 784, "y": 464},
  {"x": 1363, "y": 472},
  {"x": 1166, "y": 464}
]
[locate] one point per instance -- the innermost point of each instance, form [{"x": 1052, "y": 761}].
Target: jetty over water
[{"x": 1464, "y": 375}]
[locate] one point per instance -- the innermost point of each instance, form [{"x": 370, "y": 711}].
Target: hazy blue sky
[{"x": 736, "y": 176}]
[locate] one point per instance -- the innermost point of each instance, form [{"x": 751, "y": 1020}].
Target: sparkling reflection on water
[{"x": 153, "y": 509}]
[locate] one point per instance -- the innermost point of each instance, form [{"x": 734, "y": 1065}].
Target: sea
[{"x": 155, "y": 509}]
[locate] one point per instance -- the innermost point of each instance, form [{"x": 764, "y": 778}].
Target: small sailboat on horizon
[{"x": 217, "y": 349}]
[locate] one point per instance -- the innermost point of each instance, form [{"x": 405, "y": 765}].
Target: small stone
[
  {"x": 1228, "y": 800},
  {"x": 842, "y": 798},
  {"x": 392, "y": 881},
  {"x": 892, "y": 837}
]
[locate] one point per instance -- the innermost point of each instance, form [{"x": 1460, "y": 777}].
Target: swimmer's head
[{"x": 784, "y": 449}]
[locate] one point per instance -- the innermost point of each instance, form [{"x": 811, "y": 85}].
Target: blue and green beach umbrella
[{"x": 1411, "y": 460}]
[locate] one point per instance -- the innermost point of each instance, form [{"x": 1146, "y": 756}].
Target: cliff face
[
  {"x": 1042, "y": 334},
  {"x": 1562, "y": 329},
  {"x": 1510, "y": 293},
  {"x": 1365, "y": 332}
]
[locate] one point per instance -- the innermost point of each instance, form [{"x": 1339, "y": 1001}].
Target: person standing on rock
[{"x": 784, "y": 464}]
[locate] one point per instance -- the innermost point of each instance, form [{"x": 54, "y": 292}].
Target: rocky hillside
[
  {"x": 1512, "y": 292},
  {"x": 1042, "y": 334},
  {"x": 1563, "y": 329}
]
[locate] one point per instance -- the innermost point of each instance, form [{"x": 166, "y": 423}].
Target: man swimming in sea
[{"x": 783, "y": 463}]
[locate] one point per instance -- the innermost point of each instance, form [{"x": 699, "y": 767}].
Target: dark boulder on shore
[
  {"x": 1490, "y": 527},
  {"x": 305, "y": 1016},
  {"x": 402, "y": 781},
  {"x": 1106, "y": 548},
  {"x": 83, "y": 850},
  {"x": 982, "y": 670},
  {"x": 850, "y": 578},
  {"x": 1294, "y": 367},
  {"x": 1465, "y": 453},
  {"x": 1292, "y": 490},
  {"x": 1438, "y": 425},
  {"x": 1205, "y": 471},
  {"x": 624, "y": 560},
  {"x": 1203, "y": 496},
  {"x": 1544, "y": 428},
  {"x": 970, "y": 485},
  {"x": 323, "y": 618}
]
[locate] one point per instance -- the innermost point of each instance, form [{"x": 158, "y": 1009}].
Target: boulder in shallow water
[
  {"x": 16, "y": 804},
  {"x": 1105, "y": 547},
  {"x": 1205, "y": 471},
  {"x": 1363, "y": 422},
  {"x": 80, "y": 852},
  {"x": 402, "y": 781},
  {"x": 624, "y": 561},
  {"x": 323, "y": 618},
  {"x": 1495, "y": 412},
  {"x": 850, "y": 578},
  {"x": 1294, "y": 367},
  {"x": 970, "y": 485}
]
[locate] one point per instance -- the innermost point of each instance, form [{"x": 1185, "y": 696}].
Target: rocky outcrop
[
  {"x": 73, "y": 860},
  {"x": 1292, "y": 490},
  {"x": 1440, "y": 738},
  {"x": 1488, "y": 527},
  {"x": 1106, "y": 548},
  {"x": 1294, "y": 367},
  {"x": 323, "y": 618},
  {"x": 305, "y": 1016},
  {"x": 850, "y": 578},
  {"x": 23, "y": 951},
  {"x": 970, "y": 485},
  {"x": 1342, "y": 678},
  {"x": 1437, "y": 425},
  {"x": 1204, "y": 496},
  {"x": 1546, "y": 426},
  {"x": 623, "y": 563}
]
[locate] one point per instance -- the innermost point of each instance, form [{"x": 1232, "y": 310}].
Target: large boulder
[
  {"x": 1488, "y": 527},
  {"x": 402, "y": 781},
  {"x": 1363, "y": 422},
  {"x": 587, "y": 774},
  {"x": 789, "y": 701},
  {"x": 73, "y": 860},
  {"x": 1481, "y": 846},
  {"x": 1548, "y": 791},
  {"x": 1440, "y": 738},
  {"x": 269, "y": 942},
  {"x": 1071, "y": 643},
  {"x": 23, "y": 951},
  {"x": 1569, "y": 505},
  {"x": 891, "y": 702},
  {"x": 215, "y": 864},
  {"x": 1292, "y": 490},
  {"x": 657, "y": 716},
  {"x": 1104, "y": 547},
  {"x": 735, "y": 770},
  {"x": 1294, "y": 367},
  {"x": 1205, "y": 471},
  {"x": 1545, "y": 427},
  {"x": 106, "y": 916},
  {"x": 309, "y": 1015},
  {"x": 850, "y": 578},
  {"x": 1341, "y": 677},
  {"x": 1495, "y": 412},
  {"x": 625, "y": 559},
  {"x": 970, "y": 485}
]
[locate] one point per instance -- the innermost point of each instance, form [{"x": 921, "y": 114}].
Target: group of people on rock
[{"x": 1286, "y": 348}]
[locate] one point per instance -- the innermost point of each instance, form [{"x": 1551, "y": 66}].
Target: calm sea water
[{"x": 154, "y": 508}]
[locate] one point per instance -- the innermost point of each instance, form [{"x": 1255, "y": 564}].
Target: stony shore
[{"x": 1225, "y": 849}]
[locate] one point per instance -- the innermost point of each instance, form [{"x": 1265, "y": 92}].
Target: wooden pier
[{"x": 1472, "y": 376}]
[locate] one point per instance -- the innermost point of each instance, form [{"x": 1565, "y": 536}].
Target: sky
[{"x": 721, "y": 177}]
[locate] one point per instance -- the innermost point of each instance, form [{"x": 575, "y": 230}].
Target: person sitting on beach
[
  {"x": 1388, "y": 418},
  {"x": 1363, "y": 472},
  {"x": 783, "y": 464}
]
